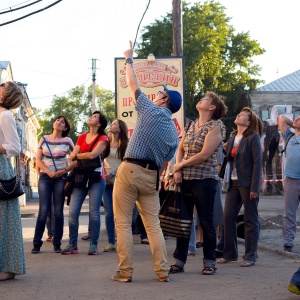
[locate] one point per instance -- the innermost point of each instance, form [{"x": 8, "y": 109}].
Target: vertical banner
[{"x": 151, "y": 75}]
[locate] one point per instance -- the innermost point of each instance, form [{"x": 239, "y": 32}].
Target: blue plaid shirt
[{"x": 155, "y": 136}]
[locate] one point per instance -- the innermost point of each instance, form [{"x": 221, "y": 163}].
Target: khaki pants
[{"x": 135, "y": 184}]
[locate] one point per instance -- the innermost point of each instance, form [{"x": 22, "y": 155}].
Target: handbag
[
  {"x": 89, "y": 165},
  {"x": 223, "y": 167},
  {"x": 69, "y": 185},
  {"x": 174, "y": 219},
  {"x": 10, "y": 189}
]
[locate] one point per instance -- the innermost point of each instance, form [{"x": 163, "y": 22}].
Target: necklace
[{"x": 199, "y": 126}]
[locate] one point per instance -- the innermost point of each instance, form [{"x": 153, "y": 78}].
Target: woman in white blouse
[{"x": 12, "y": 259}]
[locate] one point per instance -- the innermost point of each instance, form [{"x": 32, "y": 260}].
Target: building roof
[
  {"x": 288, "y": 83},
  {"x": 4, "y": 64}
]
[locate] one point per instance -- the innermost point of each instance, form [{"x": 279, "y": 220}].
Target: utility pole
[
  {"x": 177, "y": 28},
  {"x": 94, "y": 60}
]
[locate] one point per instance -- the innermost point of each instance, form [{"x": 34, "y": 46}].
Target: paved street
[{"x": 56, "y": 276}]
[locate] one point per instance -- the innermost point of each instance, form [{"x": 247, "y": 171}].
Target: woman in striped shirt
[{"x": 52, "y": 161}]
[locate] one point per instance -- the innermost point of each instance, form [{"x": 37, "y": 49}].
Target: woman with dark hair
[
  {"x": 90, "y": 145},
  {"x": 51, "y": 160},
  {"x": 244, "y": 153},
  {"x": 12, "y": 258},
  {"x": 118, "y": 132},
  {"x": 196, "y": 168}
]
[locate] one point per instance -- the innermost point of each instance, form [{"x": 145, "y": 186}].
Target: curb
[{"x": 266, "y": 248}]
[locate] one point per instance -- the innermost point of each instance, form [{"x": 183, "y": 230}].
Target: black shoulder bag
[{"x": 89, "y": 165}]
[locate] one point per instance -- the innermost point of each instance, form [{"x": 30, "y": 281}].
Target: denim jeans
[
  {"x": 200, "y": 193},
  {"x": 192, "y": 243},
  {"x": 51, "y": 190},
  {"x": 109, "y": 214},
  {"x": 95, "y": 190},
  {"x": 296, "y": 278}
]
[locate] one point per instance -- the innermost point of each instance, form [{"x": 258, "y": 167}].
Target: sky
[{"x": 51, "y": 51}]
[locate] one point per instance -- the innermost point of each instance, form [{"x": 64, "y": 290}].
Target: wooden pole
[{"x": 177, "y": 28}]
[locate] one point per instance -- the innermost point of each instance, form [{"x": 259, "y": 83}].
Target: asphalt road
[{"x": 56, "y": 276}]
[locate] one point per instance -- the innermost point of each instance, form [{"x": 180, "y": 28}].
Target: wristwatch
[
  {"x": 129, "y": 61},
  {"x": 112, "y": 174}
]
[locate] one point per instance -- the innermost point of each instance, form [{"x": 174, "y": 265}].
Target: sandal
[
  {"x": 209, "y": 271},
  {"x": 86, "y": 237},
  {"x": 175, "y": 269}
]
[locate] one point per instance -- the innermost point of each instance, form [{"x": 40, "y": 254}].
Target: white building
[{"x": 27, "y": 127}]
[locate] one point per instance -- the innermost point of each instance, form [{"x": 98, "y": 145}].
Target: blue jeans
[
  {"x": 109, "y": 214},
  {"x": 51, "y": 190},
  {"x": 200, "y": 193},
  {"x": 95, "y": 190},
  {"x": 192, "y": 243},
  {"x": 296, "y": 278}
]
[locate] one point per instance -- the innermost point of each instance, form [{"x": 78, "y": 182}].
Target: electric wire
[
  {"x": 35, "y": 12},
  {"x": 62, "y": 92},
  {"x": 14, "y": 5},
  {"x": 140, "y": 24},
  {"x": 11, "y": 10}
]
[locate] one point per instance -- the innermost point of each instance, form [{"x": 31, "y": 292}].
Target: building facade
[{"x": 27, "y": 127}]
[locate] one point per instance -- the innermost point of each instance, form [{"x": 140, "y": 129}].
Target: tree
[
  {"x": 216, "y": 58},
  {"x": 76, "y": 106}
]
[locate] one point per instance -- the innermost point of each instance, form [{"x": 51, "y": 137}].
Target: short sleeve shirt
[
  {"x": 155, "y": 135},
  {"x": 292, "y": 159},
  {"x": 60, "y": 148}
]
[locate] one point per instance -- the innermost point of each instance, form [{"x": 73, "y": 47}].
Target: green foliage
[
  {"x": 216, "y": 58},
  {"x": 77, "y": 106}
]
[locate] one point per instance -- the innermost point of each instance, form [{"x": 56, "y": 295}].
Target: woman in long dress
[{"x": 12, "y": 258}]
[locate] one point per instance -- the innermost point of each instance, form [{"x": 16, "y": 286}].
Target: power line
[
  {"x": 14, "y": 5},
  {"x": 62, "y": 92},
  {"x": 35, "y": 12},
  {"x": 11, "y": 10},
  {"x": 140, "y": 23}
]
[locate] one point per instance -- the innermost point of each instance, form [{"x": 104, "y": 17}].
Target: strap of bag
[
  {"x": 188, "y": 126},
  {"x": 287, "y": 141},
  {"x": 94, "y": 143},
  {"x": 50, "y": 153}
]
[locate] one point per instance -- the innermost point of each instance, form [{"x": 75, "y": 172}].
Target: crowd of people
[{"x": 126, "y": 175}]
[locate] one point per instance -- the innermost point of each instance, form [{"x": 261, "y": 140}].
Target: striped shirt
[
  {"x": 155, "y": 136},
  {"x": 60, "y": 148},
  {"x": 193, "y": 144}
]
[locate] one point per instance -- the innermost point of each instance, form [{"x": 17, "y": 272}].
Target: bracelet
[{"x": 76, "y": 156}]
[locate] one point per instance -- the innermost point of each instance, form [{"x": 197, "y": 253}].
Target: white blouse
[{"x": 9, "y": 138}]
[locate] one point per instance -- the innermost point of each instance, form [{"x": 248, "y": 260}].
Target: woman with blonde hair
[
  {"x": 244, "y": 153},
  {"x": 12, "y": 258}
]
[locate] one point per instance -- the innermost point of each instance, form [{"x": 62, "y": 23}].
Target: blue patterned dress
[{"x": 12, "y": 258}]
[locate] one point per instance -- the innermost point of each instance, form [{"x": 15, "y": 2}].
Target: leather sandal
[
  {"x": 209, "y": 271},
  {"x": 175, "y": 269}
]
